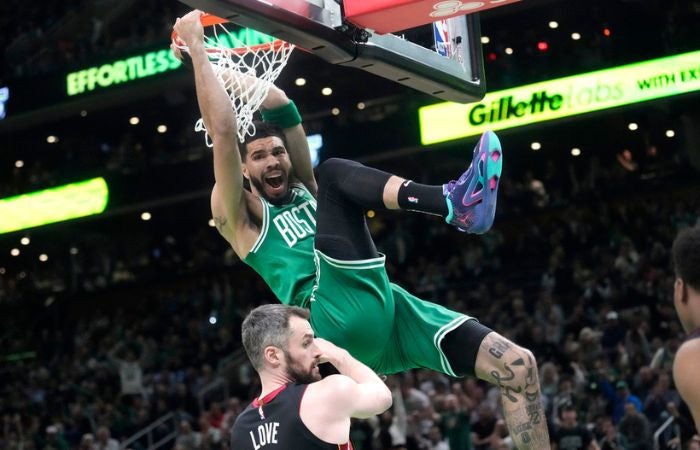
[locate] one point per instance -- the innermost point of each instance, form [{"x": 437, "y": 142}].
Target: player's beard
[
  {"x": 296, "y": 372},
  {"x": 260, "y": 187}
]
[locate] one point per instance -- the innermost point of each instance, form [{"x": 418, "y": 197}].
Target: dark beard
[
  {"x": 261, "y": 190},
  {"x": 298, "y": 374}
]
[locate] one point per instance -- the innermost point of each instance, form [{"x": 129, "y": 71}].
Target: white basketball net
[{"x": 247, "y": 72}]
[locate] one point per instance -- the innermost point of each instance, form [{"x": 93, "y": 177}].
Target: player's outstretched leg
[
  {"x": 468, "y": 203},
  {"x": 472, "y": 198},
  {"x": 514, "y": 370}
]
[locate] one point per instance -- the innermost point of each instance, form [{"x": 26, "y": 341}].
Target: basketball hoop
[{"x": 246, "y": 64}]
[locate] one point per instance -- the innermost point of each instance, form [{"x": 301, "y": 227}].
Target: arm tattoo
[{"x": 220, "y": 222}]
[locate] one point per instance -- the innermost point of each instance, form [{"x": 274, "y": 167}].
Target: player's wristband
[{"x": 285, "y": 116}]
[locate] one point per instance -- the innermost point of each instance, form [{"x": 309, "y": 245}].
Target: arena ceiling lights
[
  {"x": 71, "y": 201},
  {"x": 563, "y": 97}
]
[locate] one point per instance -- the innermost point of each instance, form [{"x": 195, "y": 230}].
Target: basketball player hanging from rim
[{"x": 309, "y": 241}]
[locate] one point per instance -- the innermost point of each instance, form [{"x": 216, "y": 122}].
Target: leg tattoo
[
  {"x": 514, "y": 371},
  {"x": 505, "y": 388}
]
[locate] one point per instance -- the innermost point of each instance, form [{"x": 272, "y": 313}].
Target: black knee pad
[
  {"x": 334, "y": 170},
  {"x": 461, "y": 346},
  {"x": 350, "y": 180}
]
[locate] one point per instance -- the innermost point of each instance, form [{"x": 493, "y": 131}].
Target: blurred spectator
[
  {"x": 613, "y": 334},
  {"x": 12, "y": 432},
  {"x": 637, "y": 345},
  {"x": 130, "y": 371},
  {"x": 413, "y": 398},
  {"x": 233, "y": 409},
  {"x": 87, "y": 442},
  {"x": 211, "y": 436},
  {"x": 644, "y": 381},
  {"x": 619, "y": 397},
  {"x": 566, "y": 397},
  {"x": 187, "y": 439},
  {"x": 391, "y": 428},
  {"x": 435, "y": 440},
  {"x": 589, "y": 345},
  {"x": 361, "y": 435},
  {"x": 610, "y": 439},
  {"x": 216, "y": 415},
  {"x": 55, "y": 441},
  {"x": 656, "y": 403},
  {"x": 455, "y": 419},
  {"x": 486, "y": 429},
  {"x": 569, "y": 435},
  {"x": 634, "y": 428},
  {"x": 663, "y": 358},
  {"x": 104, "y": 440}
]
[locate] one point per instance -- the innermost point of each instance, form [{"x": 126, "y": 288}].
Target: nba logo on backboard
[
  {"x": 4, "y": 96},
  {"x": 443, "y": 45}
]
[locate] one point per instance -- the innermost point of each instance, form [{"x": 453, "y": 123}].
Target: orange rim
[{"x": 209, "y": 20}]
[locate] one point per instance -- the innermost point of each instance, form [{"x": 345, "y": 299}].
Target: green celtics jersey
[{"x": 283, "y": 254}]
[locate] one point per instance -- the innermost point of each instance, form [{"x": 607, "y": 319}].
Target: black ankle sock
[{"x": 423, "y": 198}]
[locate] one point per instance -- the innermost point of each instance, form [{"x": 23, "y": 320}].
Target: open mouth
[{"x": 274, "y": 182}]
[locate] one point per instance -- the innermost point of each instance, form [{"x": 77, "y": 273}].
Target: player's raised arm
[
  {"x": 228, "y": 196},
  {"x": 278, "y": 109},
  {"x": 357, "y": 391},
  {"x": 282, "y": 112}
]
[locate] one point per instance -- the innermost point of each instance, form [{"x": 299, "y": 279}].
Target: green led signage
[
  {"x": 563, "y": 97},
  {"x": 121, "y": 71},
  {"x": 70, "y": 201},
  {"x": 152, "y": 63},
  {"x": 240, "y": 38}
]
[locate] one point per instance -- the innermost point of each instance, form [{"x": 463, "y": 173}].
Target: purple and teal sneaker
[{"x": 471, "y": 200}]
